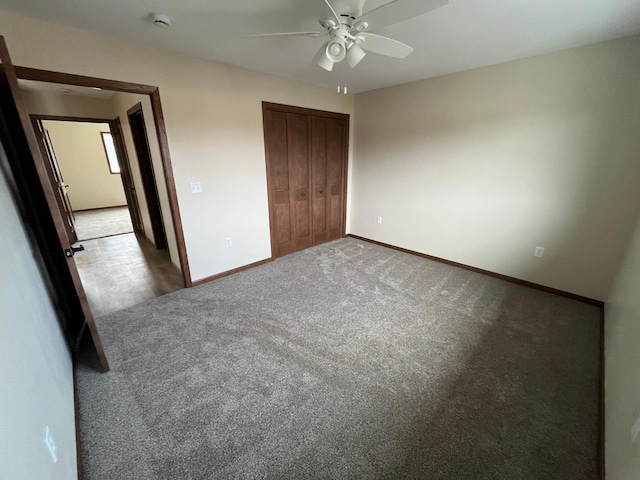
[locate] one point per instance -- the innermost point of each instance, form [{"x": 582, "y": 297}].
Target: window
[{"x": 110, "y": 150}]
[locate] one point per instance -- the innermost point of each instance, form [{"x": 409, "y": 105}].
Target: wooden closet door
[
  {"x": 306, "y": 173},
  {"x": 328, "y": 138},
  {"x": 288, "y": 169}
]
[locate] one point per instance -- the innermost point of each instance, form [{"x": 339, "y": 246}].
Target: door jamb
[{"x": 149, "y": 184}]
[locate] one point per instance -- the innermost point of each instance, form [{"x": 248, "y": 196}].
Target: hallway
[
  {"x": 120, "y": 271},
  {"x": 102, "y": 222}
]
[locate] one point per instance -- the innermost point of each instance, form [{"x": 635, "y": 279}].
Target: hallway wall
[{"x": 83, "y": 163}]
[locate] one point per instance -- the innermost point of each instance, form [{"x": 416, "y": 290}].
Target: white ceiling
[{"x": 459, "y": 36}]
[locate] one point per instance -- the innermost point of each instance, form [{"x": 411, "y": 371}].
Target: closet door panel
[
  {"x": 280, "y": 199},
  {"x": 319, "y": 176},
  {"x": 299, "y": 171},
  {"x": 336, "y": 145}
]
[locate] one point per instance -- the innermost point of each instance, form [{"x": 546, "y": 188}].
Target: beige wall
[
  {"x": 622, "y": 364},
  {"x": 213, "y": 115},
  {"x": 482, "y": 166},
  {"x": 36, "y": 373},
  {"x": 83, "y": 163}
]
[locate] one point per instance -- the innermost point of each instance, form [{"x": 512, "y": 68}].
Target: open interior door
[
  {"x": 127, "y": 177},
  {"x": 37, "y": 197},
  {"x": 55, "y": 177}
]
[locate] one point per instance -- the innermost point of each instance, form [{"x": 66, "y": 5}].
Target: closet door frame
[{"x": 275, "y": 107}]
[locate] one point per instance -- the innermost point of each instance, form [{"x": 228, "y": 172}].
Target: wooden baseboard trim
[
  {"x": 525, "y": 283},
  {"x": 230, "y": 272}
]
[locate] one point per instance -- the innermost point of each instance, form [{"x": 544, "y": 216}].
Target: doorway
[
  {"x": 154, "y": 116},
  {"x": 61, "y": 252},
  {"x": 88, "y": 164},
  {"x": 87, "y": 158}
]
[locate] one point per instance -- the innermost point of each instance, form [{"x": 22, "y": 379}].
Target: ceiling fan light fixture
[
  {"x": 361, "y": 26},
  {"x": 322, "y": 59},
  {"x": 335, "y": 51},
  {"x": 354, "y": 55}
]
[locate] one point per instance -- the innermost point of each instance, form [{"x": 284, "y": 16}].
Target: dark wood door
[
  {"x": 126, "y": 176},
  {"x": 141, "y": 144},
  {"x": 306, "y": 154},
  {"x": 37, "y": 199},
  {"x": 56, "y": 179},
  {"x": 328, "y": 153}
]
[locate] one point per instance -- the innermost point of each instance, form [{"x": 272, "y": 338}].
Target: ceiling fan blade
[
  {"x": 383, "y": 45},
  {"x": 398, "y": 11},
  {"x": 288, "y": 34}
]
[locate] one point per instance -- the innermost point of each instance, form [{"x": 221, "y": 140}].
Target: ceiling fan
[{"x": 347, "y": 29}]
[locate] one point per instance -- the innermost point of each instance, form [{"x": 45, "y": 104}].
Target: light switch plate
[{"x": 196, "y": 187}]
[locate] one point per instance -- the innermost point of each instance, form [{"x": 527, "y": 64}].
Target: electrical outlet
[
  {"x": 379, "y": 220},
  {"x": 538, "y": 252},
  {"x": 227, "y": 241},
  {"x": 635, "y": 430},
  {"x": 51, "y": 444},
  {"x": 196, "y": 187}
]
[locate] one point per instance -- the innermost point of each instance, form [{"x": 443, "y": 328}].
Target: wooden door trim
[
  {"x": 148, "y": 178},
  {"x": 303, "y": 111},
  {"x": 27, "y": 73},
  {"x": 135, "y": 109},
  {"x": 276, "y": 107}
]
